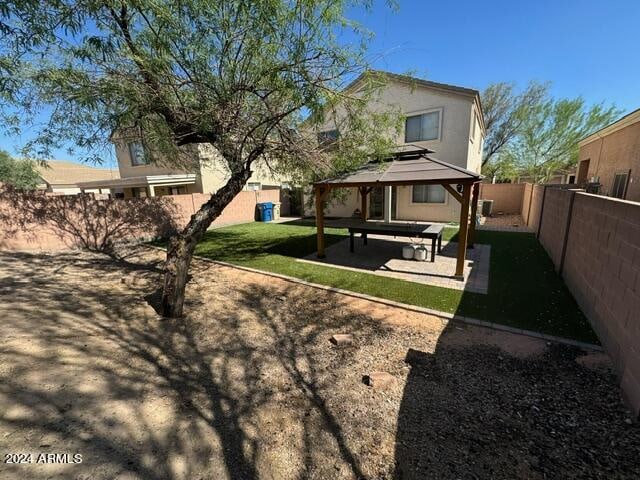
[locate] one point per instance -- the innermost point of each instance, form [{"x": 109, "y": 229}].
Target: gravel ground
[{"x": 249, "y": 386}]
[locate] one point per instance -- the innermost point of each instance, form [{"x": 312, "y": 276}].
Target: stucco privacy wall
[
  {"x": 507, "y": 197},
  {"x": 49, "y": 223},
  {"x": 515, "y": 198},
  {"x": 601, "y": 268}
]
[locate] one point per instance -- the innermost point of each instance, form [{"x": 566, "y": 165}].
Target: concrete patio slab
[{"x": 383, "y": 256}]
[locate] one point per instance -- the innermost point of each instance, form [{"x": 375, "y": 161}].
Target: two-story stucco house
[
  {"x": 444, "y": 118},
  {"x": 140, "y": 178}
]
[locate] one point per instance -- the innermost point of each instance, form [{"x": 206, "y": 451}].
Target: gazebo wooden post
[
  {"x": 474, "y": 212},
  {"x": 320, "y": 193},
  {"x": 363, "y": 203},
  {"x": 462, "y": 233}
]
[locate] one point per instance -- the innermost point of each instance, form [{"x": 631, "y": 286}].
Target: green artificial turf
[{"x": 524, "y": 290}]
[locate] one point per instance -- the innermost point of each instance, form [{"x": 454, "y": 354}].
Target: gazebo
[{"x": 409, "y": 166}]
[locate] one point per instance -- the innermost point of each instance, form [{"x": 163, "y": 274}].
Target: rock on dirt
[
  {"x": 341, "y": 339},
  {"x": 379, "y": 380}
]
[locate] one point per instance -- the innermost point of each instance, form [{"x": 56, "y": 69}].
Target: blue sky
[{"x": 588, "y": 48}]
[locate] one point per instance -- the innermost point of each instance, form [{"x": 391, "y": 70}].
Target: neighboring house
[
  {"x": 64, "y": 178},
  {"x": 440, "y": 117},
  {"x": 140, "y": 178},
  {"x": 609, "y": 160}
]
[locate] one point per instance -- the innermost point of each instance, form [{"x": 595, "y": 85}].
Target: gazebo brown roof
[{"x": 408, "y": 166}]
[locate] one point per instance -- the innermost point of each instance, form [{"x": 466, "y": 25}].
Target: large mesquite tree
[{"x": 235, "y": 75}]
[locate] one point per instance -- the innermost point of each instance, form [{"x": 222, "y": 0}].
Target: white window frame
[
  {"x": 251, "y": 186},
  {"x": 440, "y": 111},
  {"x": 446, "y": 196},
  {"x": 131, "y": 156}
]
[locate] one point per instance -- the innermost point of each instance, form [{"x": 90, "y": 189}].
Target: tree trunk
[{"x": 182, "y": 245}]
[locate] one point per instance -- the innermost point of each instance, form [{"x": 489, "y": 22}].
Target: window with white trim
[
  {"x": 423, "y": 127},
  {"x": 138, "y": 157},
  {"x": 428, "y": 194},
  {"x": 254, "y": 186}
]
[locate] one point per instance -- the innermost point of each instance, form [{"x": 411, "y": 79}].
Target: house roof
[
  {"x": 625, "y": 121},
  {"x": 407, "y": 167},
  {"x": 58, "y": 172},
  {"x": 418, "y": 81},
  {"x": 155, "y": 180}
]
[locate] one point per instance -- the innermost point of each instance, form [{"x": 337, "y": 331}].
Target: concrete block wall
[
  {"x": 40, "y": 222},
  {"x": 516, "y": 198},
  {"x": 594, "y": 243},
  {"x": 507, "y": 197},
  {"x": 242, "y": 208},
  {"x": 535, "y": 206},
  {"x": 554, "y": 222},
  {"x": 601, "y": 268}
]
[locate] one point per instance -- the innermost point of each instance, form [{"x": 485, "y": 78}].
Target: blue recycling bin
[{"x": 265, "y": 210}]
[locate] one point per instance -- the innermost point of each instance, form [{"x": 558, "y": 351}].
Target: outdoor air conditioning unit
[
  {"x": 487, "y": 208},
  {"x": 593, "y": 187}
]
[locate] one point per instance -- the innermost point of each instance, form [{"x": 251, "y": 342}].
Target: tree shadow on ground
[
  {"x": 475, "y": 411},
  {"x": 248, "y": 386},
  {"x": 92, "y": 369}
]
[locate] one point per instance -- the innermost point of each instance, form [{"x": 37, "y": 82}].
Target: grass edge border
[{"x": 406, "y": 306}]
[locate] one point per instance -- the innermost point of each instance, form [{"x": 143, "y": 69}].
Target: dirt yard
[{"x": 249, "y": 386}]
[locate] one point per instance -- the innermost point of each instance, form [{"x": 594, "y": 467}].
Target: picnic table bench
[{"x": 413, "y": 230}]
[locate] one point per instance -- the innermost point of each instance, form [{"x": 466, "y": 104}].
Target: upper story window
[
  {"x": 327, "y": 137},
  {"x": 136, "y": 152},
  {"x": 254, "y": 186},
  {"x": 423, "y": 127},
  {"x": 428, "y": 194}
]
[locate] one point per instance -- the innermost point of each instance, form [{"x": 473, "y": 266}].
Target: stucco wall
[
  {"x": 45, "y": 222},
  {"x": 128, "y": 170},
  {"x": 214, "y": 172},
  {"x": 614, "y": 153},
  {"x": 602, "y": 270},
  {"x": 444, "y": 212},
  {"x": 507, "y": 197},
  {"x": 342, "y": 205},
  {"x": 211, "y": 172},
  {"x": 476, "y": 142},
  {"x": 454, "y": 145},
  {"x": 345, "y": 205}
]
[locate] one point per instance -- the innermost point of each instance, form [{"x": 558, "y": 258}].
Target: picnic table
[{"x": 412, "y": 230}]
